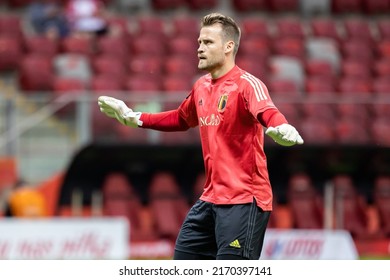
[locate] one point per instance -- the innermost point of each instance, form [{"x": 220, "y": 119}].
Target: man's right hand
[{"x": 115, "y": 108}]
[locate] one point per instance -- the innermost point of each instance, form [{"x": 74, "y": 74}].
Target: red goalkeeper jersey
[{"x": 226, "y": 111}]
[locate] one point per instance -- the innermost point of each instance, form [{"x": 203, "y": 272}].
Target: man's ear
[{"x": 229, "y": 46}]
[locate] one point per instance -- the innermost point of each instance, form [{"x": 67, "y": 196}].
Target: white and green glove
[
  {"x": 284, "y": 134},
  {"x": 115, "y": 108}
]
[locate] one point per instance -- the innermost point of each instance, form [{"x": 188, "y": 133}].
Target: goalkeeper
[{"x": 231, "y": 107}]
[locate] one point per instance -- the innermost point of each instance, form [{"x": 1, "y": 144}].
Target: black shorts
[{"x": 212, "y": 230}]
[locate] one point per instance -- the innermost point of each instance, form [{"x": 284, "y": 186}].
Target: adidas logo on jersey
[{"x": 235, "y": 244}]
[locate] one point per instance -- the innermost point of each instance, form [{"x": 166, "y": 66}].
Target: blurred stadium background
[{"x": 327, "y": 67}]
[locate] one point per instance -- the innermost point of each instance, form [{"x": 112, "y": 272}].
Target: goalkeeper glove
[
  {"x": 115, "y": 108},
  {"x": 284, "y": 134}
]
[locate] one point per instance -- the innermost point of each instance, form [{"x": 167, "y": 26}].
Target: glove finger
[
  {"x": 300, "y": 140},
  {"x": 271, "y": 131}
]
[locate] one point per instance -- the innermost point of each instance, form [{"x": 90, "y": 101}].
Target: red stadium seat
[
  {"x": 41, "y": 45},
  {"x": 381, "y": 201},
  {"x": 351, "y": 132},
  {"x": 78, "y": 45},
  {"x": 109, "y": 65},
  {"x": 106, "y": 83},
  {"x": 355, "y": 68},
  {"x": 11, "y": 53},
  {"x": 290, "y": 27},
  {"x": 358, "y": 49},
  {"x": 286, "y": 89},
  {"x": 179, "y": 64},
  {"x": 183, "y": 45},
  {"x": 197, "y": 5},
  {"x": 148, "y": 44},
  {"x": 350, "y": 207},
  {"x": 381, "y": 86},
  {"x": 36, "y": 73},
  {"x": 289, "y": 46},
  {"x": 346, "y": 6},
  {"x": 381, "y": 68},
  {"x": 253, "y": 65},
  {"x": 172, "y": 83},
  {"x": 146, "y": 64},
  {"x": 317, "y": 131},
  {"x": 320, "y": 87},
  {"x": 325, "y": 27},
  {"x": 250, "y": 5},
  {"x": 143, "y": 83},
  {"x": 357, "y": 28},
  {"x": 383, "y": 28},
  {"x": 63, "y": 90},
  {"x": 318, "y": 111},
  {"x": 11, "y": 26},
  {"x": 257, "y": 47},
  {"x": 316, "y": 67},
  {"x": 305, "y": 202},
  {"x": 167, "y": 203},
  {"x": 114, "y": 46},
  {"x": 376, "y": 7},
  {"x": 291, "y": 111},
  {"x": 383, "y": 49},
  {"x": 255, "y": 26},
  {"x": 186, "y": 25},
  {"x": 359, "y": 112},
  {"x": 283, "y": 5},
  {"x": 380, "y": 131},
  {"x": 163, "y": 5},
  {"x": 151, "y": 26},
  {"x": 354, "y": 87}
]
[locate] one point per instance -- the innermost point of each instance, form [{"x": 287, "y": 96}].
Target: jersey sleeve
[
  {"x": 256, "y": 94},
  {"x": 187, "y": 110}
]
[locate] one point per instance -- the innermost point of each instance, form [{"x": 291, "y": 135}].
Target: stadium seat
[
  {"x": 11, "y": 26},
  {"x": 350, "y": 207},
  {"x": 381, "y": 68},
  {"x": 291, "y": 111},
  {"x": 146, "y": 64},
  {"x": 253, "y": 65},
  {"x": 143, "y": 83},
  {"x": 376, "y": 7},
  {"x": 256, "y": 47},
  {"x": 148, "y": 44},
  {"x": 109, "y": 65},
  {"x": 36, "y": 73},
  {"x": 358, "y": 49},
  {"x": 314, "y": 8},
  {"x": 383, "y": 28},
  {"x": 358, "y": 28},
  {"x": 317, "y": 131},
  {"x": 249, "y": 5},
  {"x": 290, "y": 27},
  {"x": 254, "y": 26},
  {"x": 284, "y": 88},
  {"x": 41, "y": 45},
  {"x": 326, "y": 27},
  {"x": 165, "y": 5},
  {"x": 319, "y": 87},
  {"x": 120, "y": 198},
  {"x": 346, "y": 6},
  {"x": 105, "y": 83},
  {"x": 359, "y": 112},
  {"x": 78, "y": 45},
  {"x": 325, "y": 49},
  {"x": 351, "y": 132},
  {"x": 319, "y": 110},
  {"x": 380, "y": 131},
  {"x": 354, "y": 87},
  {"x": 11, "y": 53},
  {"x": 151, "y": 25},
  {"x": 114, "y": 46},
  {"x": 283, "y": 67},
  {"x": 69, "y": 65},
  {"x": 289, "y": 46},
  {"x": 197, "y": 5},
  {"x": 383, "y": 49},
  {"x": 305, "y": 202},
  {"x": 355, "y": 68},
  {"x": 167, "y": 203},
  {"x": 280, "y": 6},
  {"x": 381, "y": 86},
  {"x": 183, "y": 45},
  {"x": 185, "y": 25},
  {"x": 176, "y": 82},
  {"x": 320, "y": 68},
  {"x": 381, "y": 201}
]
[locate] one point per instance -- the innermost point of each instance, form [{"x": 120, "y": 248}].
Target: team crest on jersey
[{"x": 222, "y": 102}]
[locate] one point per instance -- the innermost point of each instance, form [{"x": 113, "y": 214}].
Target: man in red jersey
[{"x": 231, "y": 107}]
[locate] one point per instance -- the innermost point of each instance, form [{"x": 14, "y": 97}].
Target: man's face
[{"x": 211, "y": 50}]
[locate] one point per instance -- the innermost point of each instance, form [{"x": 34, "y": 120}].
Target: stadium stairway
[{"x": 46, "y": 143}]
